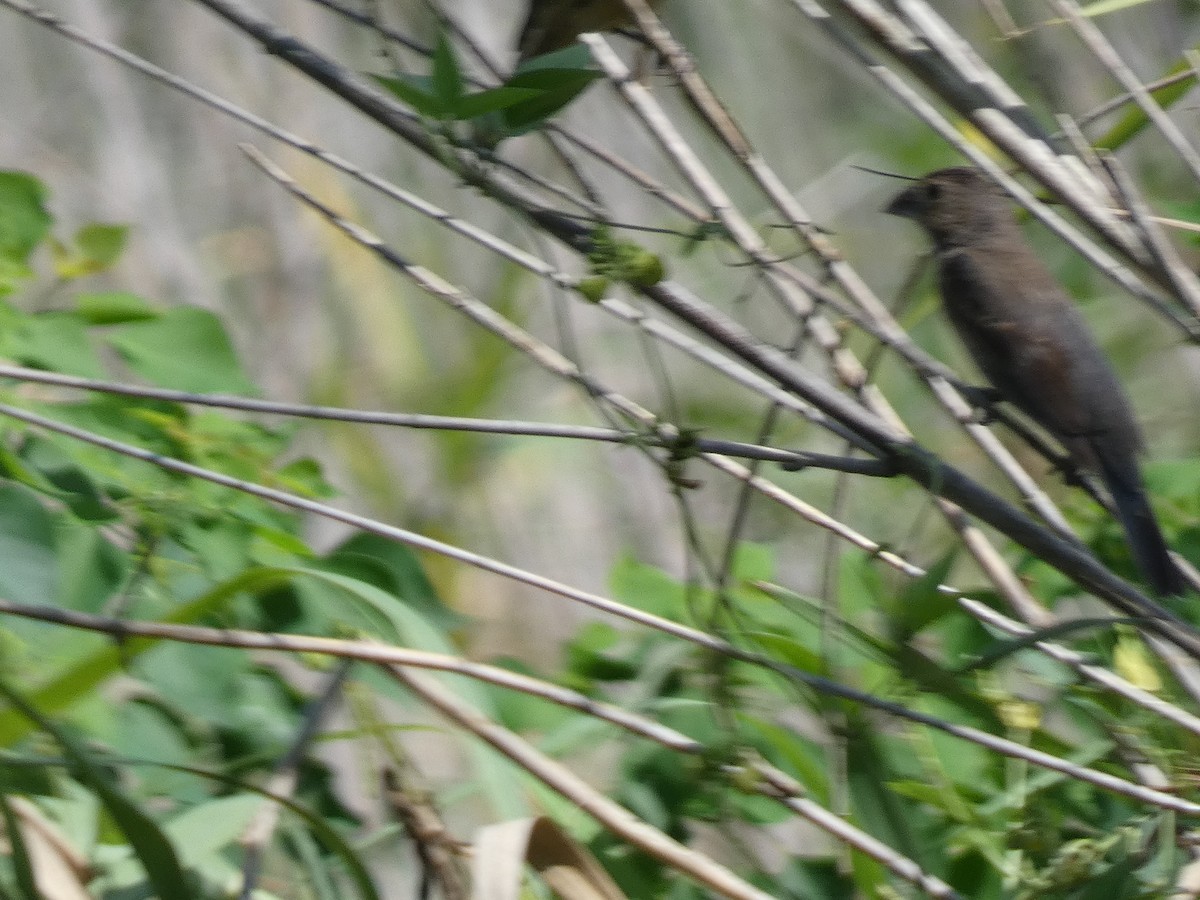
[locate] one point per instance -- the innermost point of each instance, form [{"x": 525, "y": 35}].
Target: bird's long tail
[{"x": 1146, "y": 540}]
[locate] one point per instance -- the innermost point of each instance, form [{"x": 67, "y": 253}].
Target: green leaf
[
  {"x": 51, "y": 472},
  {"x": 57, "y": 342},
  {"x": 817, "y": 878},
  {"x": 210, "y": 827},
  {"x": 29, "y": 572},
  {"x": 416, "y": 91},
  {"x": 1135, "y": 121},
  {"x": 788, "y": 650},
  {"x": 113, "y": 308},
  {"x": 184, "y": 348},
  {"x": 12, "y": 273},
  {"x": 24, "y": 221},
  {"x": 1002, "y": 648},
  {"x": 592, "y": 656},
  {"x": 921, "y": 602},
  {"x": 753, "y": 562},
  {"x": 152, "y": 424},
  {"x": 394, "y": 568},
  {"x": 934, "y": 795},
  {"x": 556, "y": 724},
  {"x": 793, "y": 752},
  {"x": 321, "y": 829},
  {"x": 557, "y": 87},
  {"x": 419, "y": 93},
  {"x": 91, "y": 568},
  {"x": 16, "y": 469},
  {"x": 446, "y": 77},
  {"x": 402, "y": 623},
  {"x": 102, "y": 244},
  {"x": 649, "y": 589},
  {"x": 62, "y": 689},
  {"x": 96, "y": 248},
  {"x": 152, "y": 729},
  {"x": 304, "y": 476},
  {"x": 1115, "y": 881},
  {"x": 576, "y": 56},
  {"x": 880, "y": 811},
  {"x": 493, "y": 100},
  {"x": 60, "y": 476}
]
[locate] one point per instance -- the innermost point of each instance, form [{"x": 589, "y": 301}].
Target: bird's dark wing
[{"x": 1005, "y": 334}]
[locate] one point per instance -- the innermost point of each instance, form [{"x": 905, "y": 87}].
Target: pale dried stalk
[
  {"x": 1183, "y": 279},
  {"x": 695, "y": 866},
  {"x": 889, "y": 331},
  {"x": 722, "y": 122}
]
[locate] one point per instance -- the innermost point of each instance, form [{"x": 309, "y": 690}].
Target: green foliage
[
  {"x": 24, "y": 223},
  {"x": 991, "y": 828},
  {"x": 163, "y": 780},
  {"x": 182, "y": 348},
  {"x": 521, "y": 104}
]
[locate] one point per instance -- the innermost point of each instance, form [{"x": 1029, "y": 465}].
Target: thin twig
[
  {"x": 1187, "y": 286},
  {"x": 1078, "y": 662},
  {"x": 368, "y": 651},
  {"x": 790, "y": 460},
  {"x": 436, "y": 848},
  {"x": 694, "y": 865},
  {"x": 1094, "y": 39},
  {"x": 283, "y": 781},
  {"x": 1121, "y": 99}
]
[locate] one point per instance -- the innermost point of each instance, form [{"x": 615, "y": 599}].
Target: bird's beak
[{"x": 909, "y": 204}]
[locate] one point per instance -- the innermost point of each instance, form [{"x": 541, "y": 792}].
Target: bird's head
[{"x": 956, "y": 206}]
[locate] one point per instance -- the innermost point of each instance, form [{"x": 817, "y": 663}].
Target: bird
[
  {"x": 1030, "y": 340},
  {"x": 554, "y": 24}
]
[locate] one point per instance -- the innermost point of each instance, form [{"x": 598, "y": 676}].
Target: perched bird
[
  {"x": 1031, "y": 342},
  {"x": 554, "y": 24}
]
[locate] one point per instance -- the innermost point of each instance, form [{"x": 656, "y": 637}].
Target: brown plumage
[
  {"x": 554, "y": 24},
  {"x": 1032, "y": 343}
]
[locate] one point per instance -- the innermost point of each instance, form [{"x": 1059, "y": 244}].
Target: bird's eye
[{"x": 933, "y": 191}]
